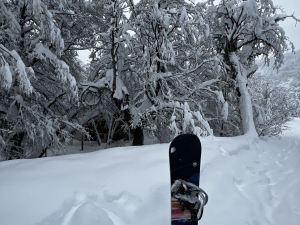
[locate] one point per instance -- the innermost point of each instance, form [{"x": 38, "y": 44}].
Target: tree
[
  {"x": 108, "y": 55},
  {"x": 244, "y": 30},
  {"x": 158, "y": 64},
  {"x": 173, "y": 70},
  {"x": 38, "y": 89},
  {"x": 274, "y": 105}
]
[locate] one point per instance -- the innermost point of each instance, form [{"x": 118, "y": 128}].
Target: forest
[{"x": 164, "y": 67}]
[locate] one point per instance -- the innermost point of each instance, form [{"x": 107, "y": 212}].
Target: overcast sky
[{"x": 289, "y": 24}]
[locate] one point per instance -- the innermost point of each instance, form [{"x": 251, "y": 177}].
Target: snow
[
  {"x": 37, "y": 8},
  {"x": 127, "y": 27},
  {"x": 245, "y": 99},
  {"x": 225, "y": 111},
  {"x": 62, "y": 68},
  {"x": 248, "y": 180},
  {"x": 25, "y": 84},
  {"x": 23, "y": 76},
  {"x": 173, "y": 11},
  {"x": 9, "y": 15},
  {"x": 207, "y": 32},
  {"x": 250, "y": 7},
  {"x": 183, "y": 16},
  {"x": 120, "y": 90},
  {"x": 5, "y": 75}
]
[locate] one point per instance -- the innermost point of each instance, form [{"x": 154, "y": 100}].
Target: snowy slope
[{"x": 249, "y": 181}]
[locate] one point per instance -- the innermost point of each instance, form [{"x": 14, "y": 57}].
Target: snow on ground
[{"x": 249, "y": 181}]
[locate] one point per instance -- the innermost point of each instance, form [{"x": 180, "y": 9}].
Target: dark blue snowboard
[{"x": 185, "y": 157}]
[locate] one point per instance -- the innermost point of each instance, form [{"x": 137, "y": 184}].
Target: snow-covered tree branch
[
  {"x": 245, "y": 30},
  {"x": 38, "y": 89}
]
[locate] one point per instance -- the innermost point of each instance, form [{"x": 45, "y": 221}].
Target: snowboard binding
[{"x": 191, "y": 198}]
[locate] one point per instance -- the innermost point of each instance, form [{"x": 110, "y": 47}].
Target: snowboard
[{"x": 184, "y": 157}]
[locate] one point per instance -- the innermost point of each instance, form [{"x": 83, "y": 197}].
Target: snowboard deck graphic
[{"x": 185, "y": 157}]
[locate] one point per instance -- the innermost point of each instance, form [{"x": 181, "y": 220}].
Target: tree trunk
[
  {"x": 44, "y": 152},
  {"x": 82, "y": 140},
  {"x": 97, "y": 134},
  {"x": 137, "y": 132},
  {"x": 138, "y": 136},
  {"x": 245, "y": 104},
  {"x": 16, "y": 151}
]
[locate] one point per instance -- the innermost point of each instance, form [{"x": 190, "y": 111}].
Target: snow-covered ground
[{"x": 249, "y": 181}]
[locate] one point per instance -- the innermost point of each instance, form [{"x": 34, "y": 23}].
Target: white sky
[{"x": 288, "y": 25}]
